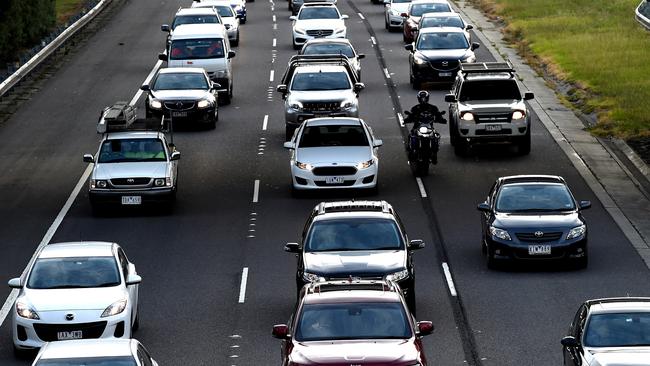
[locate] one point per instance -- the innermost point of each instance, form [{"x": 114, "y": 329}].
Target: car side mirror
[
  {"x": 282, "y": 88},
  {"x": 425, "y": 327},
  {"x": 165, "y": 28},
  {"x": 409, "y": 47},
  {"x": 88, "y": 158},
  {"x": 281, "y": 331},
  {"x": 359, "y": 87},
  {"x": 133, "y": 279},
  {"x": 15, "y": 283},
  {"x": 292, "y": 248},
  {"x": 450, "y": 98},
  {"x": 404, "y": 15},
  {"x": 377, "y": 142},
  {"x": 469, "y": 26},
  {"x": 344, "y": 16},
  {"x": 529, "y": 95},
  {"x": 289, "y": 145},
  {"x": 231, "y": 54},
  {"x": 293, "y": 17},
  {"x": 570, "y": 342},
  {"x": 163, "y": 57},
  {"x": 585, "y": 205},
  {"x": 416, "y": 244},
  {"x": 360, "y": 56},
  {"x": 145, "y": 87},
  {"x": 475, "y": 46},
  {"x": 215, "y": 86},
  {"x": 175, "y": 156},
  {"x": 386, "y": 1},
  {"x": 483, "y": 207}
]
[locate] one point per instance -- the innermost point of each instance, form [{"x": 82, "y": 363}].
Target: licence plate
[
  {"x": 334, "y": 180},
  {"x": 539, "y": 249},
  {"x": 131, "y": 200},
  {"x": 444, "y": 74},
  {"x": 493, "y": 127},
  {"x": 75, "y": 334},
  {"x": 179, "y": 114}
]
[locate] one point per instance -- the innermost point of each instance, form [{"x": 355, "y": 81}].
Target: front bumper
[
  {"x": 192, "y": 115},
  {"x": 306, "y": 179},
  {"x": 300, "y": 39},
  {"x": 427, "y": 73},
  {"x": 296, "y": 118},
  {"x": 506, "y": 132},
  {"x": 516, "y": 250},
  {"x": 395, "y": 20},
  {"x": 232, "y": 33},
  {"x": 152, "y": 195}
]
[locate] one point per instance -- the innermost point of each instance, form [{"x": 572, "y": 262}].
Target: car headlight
[
  {"x": 365, "y": 164},
  {"x": 467, "y": 116},
  {"x": 518, "y": 114},
  {"x": 499, "y": 233},
  {"x": 204, "y": 103},
  {"x": 310, "y": 277},
  {"x": 398, "y": 276},
  {"x": 340, "y": 30},
  {"x": 155, "y": 104},
  {"x": 304, "y": 166},
  {"x": 577, "y": 232},
  {"x": 299, "y": 30},
  {"x": 24, "y": 311},
  {"x": 347, "y": 104},
  {"x": 98, "y": 183},
  {"x": 159, "y": 182},
  {"x": 296, "y": 106},
  {"x": 115, "y": 308},
  {"x": 419, "y": 60}
]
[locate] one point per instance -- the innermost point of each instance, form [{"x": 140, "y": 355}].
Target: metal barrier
[{"x": 640, "y": 17}]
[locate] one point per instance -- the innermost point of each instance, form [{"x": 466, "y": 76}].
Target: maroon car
[
  {"x": 359, "y": 322},
  {"x": 415, "y": 12}
]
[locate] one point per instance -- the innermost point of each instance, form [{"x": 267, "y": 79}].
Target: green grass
[
  {"x": 594, "y": 44},
  {"x": 67, "y": 8}
]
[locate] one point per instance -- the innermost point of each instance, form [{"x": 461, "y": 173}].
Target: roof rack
[
  {"x": 122, "y": 117},
  {"x": 616, "y": 299},
  {"x": 306, "y": 60},
  {"x": 352, "y": 284},
  {"x": 349, "y": 206},
  {"x": 533, "y": 178},
  {"x": 486, "y": 67}
]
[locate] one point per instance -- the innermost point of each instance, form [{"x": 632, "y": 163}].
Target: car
[
  {"x": 336, "y": 322},
  {"x": 364, "y": 239},
  {"x": 317, "y": 20},
  {"x": 239, "y": 6},
  {"x": 294, "y": 5},
  {"x": 436, "y": 55},
  {"x": 393, "y": 19},
  {"x": 452, "y": 19},
  {"x": 318, "y": 86},
  {"x": 193, "y": 16},
  {"x": 333, "y": 152},
  {"x": 533, "y": 217},
  {"x": 227, "y": 15},
  {"x": 415, "y": 11},
  {"x": 609, "y": 332},
  {"x": 94, "y": 352},
  {"x": 185, "y": 94},
  {"x": 338, "y": 46},
  {"x": 486, "y": 105},
  {"x": 75, "y": 290}
]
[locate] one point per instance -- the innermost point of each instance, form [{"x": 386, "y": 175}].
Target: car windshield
[
  {"x": 225, "y": 11},
  {"x": 329, "y": 49},
  {"x": 442, "y": 41},
  {"x": 74, "y": 272},
  {"x": 437, "y": 21},
  {"x": 192, "y": 49},
  {"x": 195, "y": 19},
  {"x": 617, "y": 330},
  {"x": 180, "y": 81},
  {"x": 333, "y": 135},
  {"x": 337, "y": 80},
  {"x": 318, "y": 13},
  {"x": 367, "y": 320},
  {"x": 88, "y": 361},
  {"x": 353, "y": 234},
  {"x": 419, "y": 9},
  {"x": 132, "y": 150},
  {"x": 401, "y": 1},
  {"x": 489, "y": 90},
  {"x": 534, "y": 197}
]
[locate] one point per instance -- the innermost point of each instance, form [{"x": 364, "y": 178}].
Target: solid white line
[
  {"x": 275, "y": 42},
  {"x": 242, "y": 287},
  {"x": 374, "y": 41},
  {"x": 386, "y": 73},
  {"x": 137, "y": 95},
  {"x": 266, "y": 121},
  {"x": 423, "y": 192},
  {"x": 450, "y": 281},
  {"x": 272, "y": 75},
  {"x": 361, "y": 16},
  {"x": 256, "y": 191},
  {"x": 400, "y": 119}
]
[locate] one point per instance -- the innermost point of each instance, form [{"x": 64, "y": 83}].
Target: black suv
[
  {"x": 360, "y": 239},
  {"x": 533, "y": 217}
]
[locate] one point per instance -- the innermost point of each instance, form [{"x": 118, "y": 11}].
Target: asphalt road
[{"x": 192, "y": 261}]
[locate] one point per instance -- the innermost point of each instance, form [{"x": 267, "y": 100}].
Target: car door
[
  {"x": 127, "y": 269},
  {"x": 486, "y": 217},
  {"x": 143, "y": 356},
  {"x": 174, "y": 163},
  {"x": 573, "y": 356}
]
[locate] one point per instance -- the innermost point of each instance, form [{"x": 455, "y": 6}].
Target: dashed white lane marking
[
  {"x": 386, "y": 73},
  {"x": 242, "y": 287},
  {"x": 450, "y": 281},
  {"x": 266, "y": 121},
  {"x": 275, "y": 26},
  {"x": 275, "y": 42},
  {"x": 423, "y": 192},
  {"x": 137, "y": 95},
  {"x": 373, "y": 40},
  {"x": 256, "y": 191},
  {"x": 272, "y": 75},
  {"x": 400, "y": 119},
  {"x": 361, "y": 16},
  {"x": 273, "y": 18}
]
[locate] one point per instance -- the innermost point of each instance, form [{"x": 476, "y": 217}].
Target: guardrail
[
  {"x": 642, "y": 18},
  {"x": 25, "y": 69}
]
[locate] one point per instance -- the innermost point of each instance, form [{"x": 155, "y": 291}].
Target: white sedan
[
  {"x": 317, "y": 20},
  {"x": 94, "y": 352},
  {"x": 76, "y": 290},
  {"x": 333, "y": 152},
  {"x": 394, "y": 11}
]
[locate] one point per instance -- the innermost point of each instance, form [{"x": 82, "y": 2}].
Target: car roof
[
  {"x": 318, "y": 5},
  {"x": 622, "y": 304},
  {"x": 188, "y": 70},
  {"x": 132, "y": 135},
  {"x": 328, "y": 40},
  {"x": 319, "y": 68},
  {"x": 206, "y": 10},
  {"x": 185, "y": 31},
  {"x": 430, "y": 1},
  {"x": 329, "y": 121},
  {"x": 87, "y": 348},
  {"x": 441, "y": 15},
  {"x": 77, "y": 249},
  {"x": 352, "y": 290},
  {"x": 442, "y": 30}
]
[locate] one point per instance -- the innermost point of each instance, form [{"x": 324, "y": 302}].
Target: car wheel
[
  {"x": 296, "y": 193},
  {"x": 235, "y": 43},
  {"x": 296, "y": 46},
  {"x": 410, "y": 300},
  {"x": 147, "y": 112},
  {"x": 23, "y": 354},
  {"x": 490, "y": 260},
  {"x": 386, "y": 24},
  {"x": 288, "y": 132},
  {"x": 453, "y": 134},
  {"x": 96, "y": 209},
  {"x": 213, "y": 121},
  {"x": 136, "y": 322},
  {"x": 461, "y": 148},
  {"x": 523, "y": 146},
  {"x": 373, "y": 191}
]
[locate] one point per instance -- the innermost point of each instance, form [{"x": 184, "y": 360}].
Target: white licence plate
[
  {"x": 539, "y": 249},
  {"x": 75, "y": 334},
  {"x": 131, "y": 200},
  {"x": 334, "y": 180},
  {"x": 179, "y": 114},
  {"x": 493, "y": 127},
  {"x": 444, "y": 74}
]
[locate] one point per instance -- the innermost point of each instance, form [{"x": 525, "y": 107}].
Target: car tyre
[
  {"x": 213, "y": 121},
  {"x": 288, "y": 132},
  {"x": 296, "y": 193},
  {"x": 410, "y": 301},
  {"x": 295, "y": 46},
  {"x": 453, "y": 134},
  {"x": 23, "y": 354},
  {"x": 524, "y": 144},
  {"x": 235, "y": 43},
  {"x": 491, "y": 261},
  {"x": 136, "y": 322},
  {"x": 461, "y": 148}
]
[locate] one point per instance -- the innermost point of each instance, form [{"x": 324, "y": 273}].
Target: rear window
[
  {"x": 195, "y": 19},
  {"x": 419, "y": 9},
  {"x": 320, "y": 81},
  {"x": 489, "y": 90},
  {"x": 319, "y": 136},
  {"x": 192, "y": 49}
]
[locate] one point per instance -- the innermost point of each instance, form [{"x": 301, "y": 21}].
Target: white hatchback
[
  {"x": 317, "y": 20},
  {"x": 94, "y": 352},
  {"x": 333, "y": 152},
  {"x": 76, "y": 290}
]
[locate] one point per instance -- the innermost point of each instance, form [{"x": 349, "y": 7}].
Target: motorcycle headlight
[
  {"x": 296, "y": 106},
  {"x": 98, "y": 183},
  {"x": 115, "y": 308},
  {"x": 398, "y": 276},
  {"x": 203, "y": 103},
  {"x": 518, "y": 114},
  {"x": 576, "y": 232},
  {"x": 467, "y": 116},
  {"x": 424, "y": 129},
  {"x": 310, "y": 277},
  {"x": 365, "y": 164},
  {"x": 24, "y": 311},
  {"x": 155, "y": 104},
  {"x": 304, "y": 166},
  {"x": 499, "y": 233}
]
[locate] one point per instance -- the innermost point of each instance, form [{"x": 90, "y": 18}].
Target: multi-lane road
[{"x": 194, "y": 309}]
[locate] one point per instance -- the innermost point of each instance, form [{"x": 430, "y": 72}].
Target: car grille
[
  {"x": 346, "y": 183},
  {"x": 493, "y": 118},
  {"x": 180, "y": 105},
  {"x": 130, "y": 181},
  {"x": 445, "y": 65},
  {"x": 538, "y": 239},
  {"x": 503, "y": 131},
  {"x": 320, "y": 32},
  {"x": 48, "y": 332},
  {"x": 319, "y": 107},
  {"x": 334, "y": 170}
]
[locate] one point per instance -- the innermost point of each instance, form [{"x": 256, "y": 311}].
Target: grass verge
[
  {"x": 596, "y": 46},
  {"x": 67, "y": 8}
]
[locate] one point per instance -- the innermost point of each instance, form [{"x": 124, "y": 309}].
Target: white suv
[{"x": 317, "y": 20}]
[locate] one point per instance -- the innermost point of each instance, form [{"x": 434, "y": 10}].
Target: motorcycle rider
[{"x": 423, "y": 108}]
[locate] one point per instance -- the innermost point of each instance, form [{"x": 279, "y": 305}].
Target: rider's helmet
[{"x": 423, "y": 96}]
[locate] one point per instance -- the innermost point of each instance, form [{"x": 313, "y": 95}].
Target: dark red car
[
  {"x": 415, "y": 12},
  {"x": 356, "y": 322}
]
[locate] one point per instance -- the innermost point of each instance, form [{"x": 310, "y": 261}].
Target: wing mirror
[
  {"x": 165, "y": 28},
  {"x": 175, "y": 156},
  {"x": 585, "y": 205},
  {"x": 416, "y": 244},
  {"x": 163, "y": 57},
  {"x": 133, "y": 279},
  {"x": 409, "y": 47},
  {"x": 88, "y": 158},
  {"x": 529, "y": 95},
  {"x": 377, "y": 142},
  {"x": 359, "y": 87},
  {"x": 386, "y": 1},
  {"x": 289, "y": 145},
  {"x": 215, "y": 86},
  {"x": 344, "y": 16},
  {"x": 569, "y": 342},
  {"x": 15, "y": 283},
  {"x": 231, "y": 54},
  {"x": 282, "y": 88},
  {"x": 145, "y": 87},
  {"x": 450, "y": 98},
  {"x": 293, "y": 17},
  {"x": 483, "y": 207},
  {"x": 469, "y": 26},
  {"x": 425, "y": 328},
  {"x": 475, "y": 46},
  {"x": 360, "y": 56},
  {"x": 292, "y": 248},
  {"x": 281, "y": 331}
]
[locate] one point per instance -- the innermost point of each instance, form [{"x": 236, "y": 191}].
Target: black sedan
[{"x": 531, "y": 217}]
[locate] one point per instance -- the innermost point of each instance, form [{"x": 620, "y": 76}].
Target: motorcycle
[{"x": 424, "y": 142}]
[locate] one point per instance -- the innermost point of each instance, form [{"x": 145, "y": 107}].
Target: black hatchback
[{"x": 533, "y": 217}]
